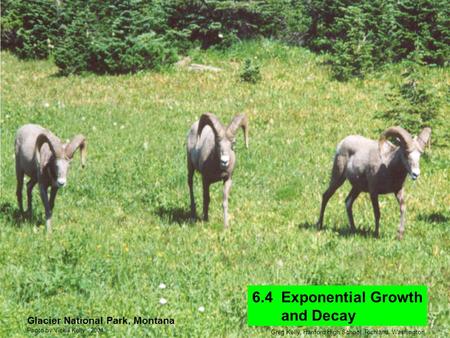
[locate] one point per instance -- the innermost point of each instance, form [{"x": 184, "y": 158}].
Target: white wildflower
[
  {"x": 163, "y": 301},
  {"x": 162, "y": 286},
  {"x": 201, "y": 309}
]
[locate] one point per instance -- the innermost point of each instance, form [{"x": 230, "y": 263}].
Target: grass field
[{"x": 121, "y": 226}]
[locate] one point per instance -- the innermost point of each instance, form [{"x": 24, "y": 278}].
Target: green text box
[{"x": 337, "y": 305}]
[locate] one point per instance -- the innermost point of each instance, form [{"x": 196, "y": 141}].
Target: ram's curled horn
[
  {"x": 423, "y": 138},
  {"x": 405, "y": 138},
  {"x": 79, "y": 141},
  {"x": 212, "y": 121},
  {"x": 53, "y": 143},
  {"x": 239, "y": 121}
]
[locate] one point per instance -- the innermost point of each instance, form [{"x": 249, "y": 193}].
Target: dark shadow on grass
[
  {"x": 434, "y": 217},
  {"x": 11, "y": 215},
  {"x": 307, "y": 226},
  {"x": 174, "y": 215},
  {"x": 343, "y": 230},
  {"x": 14, "y": 217}
]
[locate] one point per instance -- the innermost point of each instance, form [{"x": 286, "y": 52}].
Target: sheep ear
[
  {"x": 78, "y": 141},
  {"x": 212, "y": 121},
  {"x": 423, "y": 138},
  {"x": 239, "y": 121}
]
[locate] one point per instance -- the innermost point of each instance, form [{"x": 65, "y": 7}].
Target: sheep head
[
  {"x": 412, "y": 148},
  {"x": 62, "y": 155},
  {"x": 225, "y": 136}
]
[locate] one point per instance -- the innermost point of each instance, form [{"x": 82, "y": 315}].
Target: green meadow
[{"x": 121, "y": 226}]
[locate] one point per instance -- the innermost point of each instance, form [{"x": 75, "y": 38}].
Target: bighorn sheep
[
  {"x": 210, "y": 151},
  {"x": 45, "y": 159},
  {"x": 377, "y": 168}
]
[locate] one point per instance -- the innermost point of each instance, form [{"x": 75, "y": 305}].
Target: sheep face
[
  {"x": 59, "y": 166},
  {"x": 61, "y": 170},
  {"x": 411, "y": 162},
  {"x": 411, "y": 158},
  {"x": 225, "y": 148},
  {"x": 64, "y": 158}
]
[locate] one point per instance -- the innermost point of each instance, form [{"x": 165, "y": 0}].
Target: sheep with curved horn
[
  {"x": 46, "y": 160},
  {"x": 377, "y": 168},
  {"x": 210, "y": 151}
]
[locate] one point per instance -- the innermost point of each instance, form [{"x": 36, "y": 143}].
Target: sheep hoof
[{"x": 48, "y": 226}]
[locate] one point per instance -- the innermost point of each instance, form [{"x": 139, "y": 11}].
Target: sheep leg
[
  {"x": 401, "y": 201},
  {"x": 226, "y": 193},
  {"x": 30, "y": 185},
  {"x": 19, "y": 175},
  {"x": 48, "y": 211},
  {"x": 376, "y": 212},
  {"x": 206, "y": 199},
  {"x": 53, "y": 192},
  {"x": 352, "y": 196},
  {"x": 191, "y": 192},
  {"x": 337, "y": 179}
]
